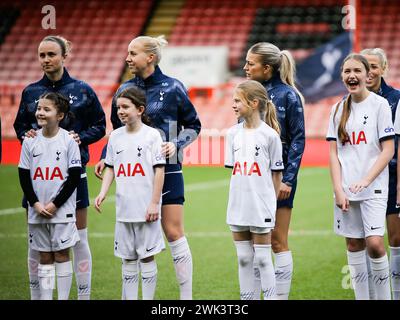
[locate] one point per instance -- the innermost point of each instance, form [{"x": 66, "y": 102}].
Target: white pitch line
[{"x": 196, "y": 234}]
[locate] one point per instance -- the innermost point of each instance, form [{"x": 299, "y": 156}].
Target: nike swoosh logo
[
  {"x": 165, "y": 193},
  {"x": 234, "y": 150},
  {"x": 374, "y": 228},
  {"x": 64, "y": 241},
  {"x": 148, "y": 250},
  {"x": 36, "y": 155},
  {"x": 118, "y": 152}
]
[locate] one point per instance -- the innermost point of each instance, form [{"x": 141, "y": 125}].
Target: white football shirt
[
  {"x": 370, "y": 122},
  {"x": 48, "y": 160},
  {"x": 253, "y": 154},
  {"x": 133, "y": 157}
]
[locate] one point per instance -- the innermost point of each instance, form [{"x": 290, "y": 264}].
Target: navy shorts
[
  {"x": 82, "y": 193},
  {"x": 391, "y": 204},
  {"x": 173, "y": 190},
  {"x": 289, "y": 201}
]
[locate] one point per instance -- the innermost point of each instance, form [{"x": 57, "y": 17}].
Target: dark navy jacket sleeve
[
  {"x": 187, "y": 116},
  {"x": 296, "y": 130},
  {"x": 97, "y": 118},
  {"x": 116, "y": 123},
  {"x": 21, "y": 123}
]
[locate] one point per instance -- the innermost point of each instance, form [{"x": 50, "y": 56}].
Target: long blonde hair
[
  {"x": 281, "y": 61},
  {"x": 153, "y": 45},
  {"x": 253, "y": 90}
]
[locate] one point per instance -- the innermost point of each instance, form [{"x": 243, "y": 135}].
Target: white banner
[{"x": 196, "y": 66}]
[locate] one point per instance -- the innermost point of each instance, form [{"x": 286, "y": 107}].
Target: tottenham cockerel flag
[{"x": 318, "y": 76}]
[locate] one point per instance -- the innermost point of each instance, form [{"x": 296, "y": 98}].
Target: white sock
[
  {"x": 263, "y": 258},
  {"x": 381, "y": 274},
  {"x": 47, "y": 274},
  {"x": 130, "y": 279},
  {"x": 64, "y": 279},
  {"x": 395, "y": 271},
  {"x": 257, "y": 281},
  {"x": 359, "y": 274},
  {"x": 182, "y": 257},
  {"x": 283, "y": 274},
  {"x": 149, "y": 279},
  {"x": 245, "y": 254},
  {"x": 371, "y": 285},
  {"x": 33, "y": 263},
  {"x": 83, "y": 265}
]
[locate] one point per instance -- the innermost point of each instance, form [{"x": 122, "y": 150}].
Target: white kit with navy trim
[
  {"x": 48, "y": 160},
  {"x": 253, "y": 154},
  {"x": 133, "y": 157},
  {"x": 369, "y": 123}
]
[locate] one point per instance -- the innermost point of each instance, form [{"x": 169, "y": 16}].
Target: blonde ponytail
[
  {"x": 270, "y": 117},
  {"x": 288, "y": 71}
]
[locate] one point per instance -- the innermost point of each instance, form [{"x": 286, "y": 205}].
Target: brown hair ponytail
[{"x": 342, "y": 133}]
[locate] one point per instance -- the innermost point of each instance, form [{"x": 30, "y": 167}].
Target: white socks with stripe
[
  {"x": 83, "y": 265},
  {"x": 130, "y": 282},
  {"x": 371, "y": 285},
  {"x": 64, "y": 279},
  {"x": 395, "y": 271},
  {"x": 149, "y": 279},
  {"x": 46, "y": 274},
  {"x": 183, "y": 264},
  {"x": 33, "y": 264},
  {"x": 359, "y": 273},
  {"x": 380, "y": 273},
  {"x": 263, "y": 259},
  {"x": 245, "y": 254},
  {"x": 283, "y": 274}
]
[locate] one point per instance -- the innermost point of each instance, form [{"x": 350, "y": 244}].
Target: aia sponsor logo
[
  {"x": 48, "y": 173},
  {"x": 356, "y": 138},
  {"x": 246, "y": 169},
  {"x": 130, "y": 170}
]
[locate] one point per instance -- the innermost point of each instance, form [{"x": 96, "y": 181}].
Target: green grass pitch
[{"x": 319, "y": 255}]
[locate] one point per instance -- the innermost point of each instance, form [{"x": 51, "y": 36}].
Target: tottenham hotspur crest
[
  {"x": 139, "y": 149},
  {"x": 58, "y": 155},
  {"x": 72, "y": 98},
  {"x": 257, "y": 149},
  {"x": 162, "y": 95},
  {"x": 365, "y": 119}
]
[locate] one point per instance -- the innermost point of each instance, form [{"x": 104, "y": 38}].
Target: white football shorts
[
  {"x": 52, "y": 237},
  {"x": 138, "y": 240},
  {"x": 252, "y": 229},
  {"x": 364, "y": 219}
]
